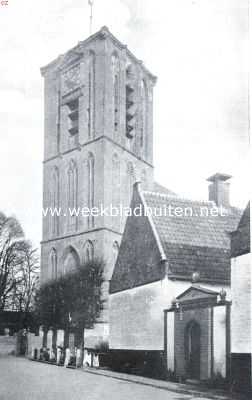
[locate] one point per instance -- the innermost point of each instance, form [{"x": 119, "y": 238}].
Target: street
[{"x": 21, "y": 379}]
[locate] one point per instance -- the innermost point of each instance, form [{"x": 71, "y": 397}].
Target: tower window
[
  {"x": 131, "y": 179},
  {"x": 91, "y": 95},
  {"x": 89, "y": 193},
  {"x": 54, "y": 195},
  {"x": 143, "y": 116},
  {"x": 73, "y": 117},
  {"x": 88, "y": 251},
  {"x": 130, "y": 103},
  {"x": 53, "y": 264},
  {"x": 116, "y": 99},
  {"x": 72, "y": 191}
]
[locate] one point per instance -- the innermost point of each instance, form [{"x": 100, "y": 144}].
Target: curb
[{"x": 186, "y": 390}]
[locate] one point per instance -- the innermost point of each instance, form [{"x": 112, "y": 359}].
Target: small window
[{"x": 73, "y": 117}]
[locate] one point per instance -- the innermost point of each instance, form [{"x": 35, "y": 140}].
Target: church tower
[{"x": 98, "y": 142}]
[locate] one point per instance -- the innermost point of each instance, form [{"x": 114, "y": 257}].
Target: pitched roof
[
  {"x": 240, "y": 238},
  {"x": 197, "y": 240},
  {"x": 161, "y": 243}
]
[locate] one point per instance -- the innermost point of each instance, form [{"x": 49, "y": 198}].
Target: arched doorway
[{"x": 192, "y": 349}]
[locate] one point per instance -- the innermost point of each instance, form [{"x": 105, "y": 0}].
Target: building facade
[
  {"x": 159, "y": 254},
  {"x": 241, "y": 311}
]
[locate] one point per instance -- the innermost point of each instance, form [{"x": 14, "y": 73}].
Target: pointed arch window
[
  {"x": 88, "y": 251},
  {"x": 131, "y": 180},
  {"x": 116, "y": 189},
  {"x": 72, "y": 193},
  {"x": 91, "y": 95},
  {"x": 116, "y": 84},
  {"x": 115, "y": 251},
  {"x": 143, "y": 116},
  {"x": 53, "y": 264},
  {"x": 90, "y": 187},
  {"x": 71, "y": 260},
  {"x": 54, "y": 202}
]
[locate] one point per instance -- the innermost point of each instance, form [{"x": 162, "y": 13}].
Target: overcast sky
[{"x": 197, "y": 48}]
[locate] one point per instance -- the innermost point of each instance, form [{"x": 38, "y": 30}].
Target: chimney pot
[{"x": 219, "y": 189}]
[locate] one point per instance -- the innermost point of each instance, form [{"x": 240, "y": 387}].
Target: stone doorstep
[{"x": 182, "y": 388}]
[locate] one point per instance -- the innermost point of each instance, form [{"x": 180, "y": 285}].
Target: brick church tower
[{"x": 98, "y": 141}]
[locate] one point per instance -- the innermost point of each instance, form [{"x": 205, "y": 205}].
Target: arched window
[
  {"x": 131, "y": 180},
  {"x": 88, "y": 253},
  {"x": 116, "y": 92},
  {"x": 116, "y": 189},
  {"x": 71, "y": 260},
  {"x": 115, "y": 251},
  {"x": 54, "y": 202},
  {"x": 89, "y": 176},
  {"x": 143, "y": 116},
  {"x": 53, "y": 264},
  {"x": 91, "y": 95},
  {"x": 72, "y": 189},
  {"x": 91, "y": 185}
]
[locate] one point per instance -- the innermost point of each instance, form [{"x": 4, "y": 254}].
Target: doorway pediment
[{"x": 196, "y": 294}]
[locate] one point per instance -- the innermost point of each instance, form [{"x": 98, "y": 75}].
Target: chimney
[{"x": 219, "y": 189}]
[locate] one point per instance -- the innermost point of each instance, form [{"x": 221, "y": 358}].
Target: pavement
[
  {"x": 197, "y": 391},
  {"x": 22, "y": 379}
]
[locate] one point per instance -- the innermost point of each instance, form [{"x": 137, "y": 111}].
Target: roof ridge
[{"x": 177, "y": 197}]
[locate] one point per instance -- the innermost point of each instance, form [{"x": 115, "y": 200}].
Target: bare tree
[
  {"x": 18, "y": 266},
  {"x": 28, "y": 280}
]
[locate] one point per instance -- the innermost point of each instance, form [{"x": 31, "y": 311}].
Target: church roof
[
  {"x": 240, "y": 238},
  {"x": 197, "y": 240}
]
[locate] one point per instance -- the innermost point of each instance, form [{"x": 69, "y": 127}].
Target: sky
[{"x": 198, "y": 49}]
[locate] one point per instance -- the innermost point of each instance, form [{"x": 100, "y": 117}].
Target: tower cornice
[
  {"x": 80, "y": 146},
  {"x": 76, "y": 53}
]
